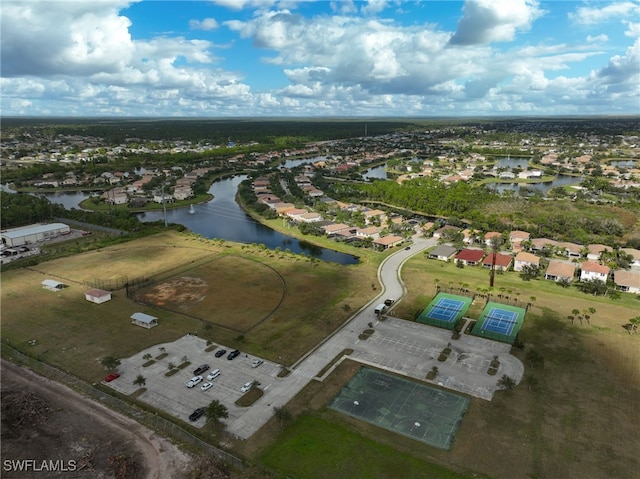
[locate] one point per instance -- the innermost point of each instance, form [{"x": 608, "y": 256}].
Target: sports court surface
[
  {"x": 445, "y": 310},
  {"x": 406, "y": 407},
  {"x": 500, "y": 322}
]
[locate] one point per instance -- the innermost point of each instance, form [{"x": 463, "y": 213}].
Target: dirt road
[{"x": 49, "y": 431}]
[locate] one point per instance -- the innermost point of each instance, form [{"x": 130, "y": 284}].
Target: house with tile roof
[
  {"x": 502, "y": 261},
  {"x": 628, "y": 281},
  {"x": 470, "y": 257},
  {"x": 560, "y": 271},
  {"x": 590, "y": 270},
  {"x": 525, "y": 259}
]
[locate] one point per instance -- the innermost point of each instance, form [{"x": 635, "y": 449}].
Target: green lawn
[{"x": 315, "y": 448}]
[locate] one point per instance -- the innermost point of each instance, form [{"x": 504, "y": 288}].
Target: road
[{"x": 399, "y": 346}]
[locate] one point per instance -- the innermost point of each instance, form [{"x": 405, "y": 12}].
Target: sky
[{"x": 340, "y": 58}]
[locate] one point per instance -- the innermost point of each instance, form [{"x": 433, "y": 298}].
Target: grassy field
[
  {"x": 575, "y": 416},
  {"x": 74, "y": 334}
]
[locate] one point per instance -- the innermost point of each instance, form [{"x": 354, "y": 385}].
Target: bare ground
[{"x": 45, "y": 421}]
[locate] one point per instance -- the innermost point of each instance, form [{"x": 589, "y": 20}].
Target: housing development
[{"x": 445, "y": 289}]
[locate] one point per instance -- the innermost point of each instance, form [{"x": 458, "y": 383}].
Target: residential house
[
  {"x": 369, "y": 232},
  {"x": 470, "y": 257},
  {"x": 295, "y": 213},
  {"x": 572, "y": 250},
  {"x": 628, "y": 281},
  {"x": 633, "y": 252},
  {"x": 560, "y": 270},
  {"x": 182, "y": 192},
  {"x": 437, "y": 234},
  {"x": 525, "y": 259},
  {"x": 590, "y": 270},
  {"x": 443, "y": 252},
  {"x": 311, "y": 217},
  {"x": 336, "y": 228},
  {"x": 388, "y": 241},
  {"x": 517, "y": 237},
  {"x": 596, "y": 250},
  {"x": 502, "y": 261},
  {"x": 488, "y": 237},
  {"x": 541, "y": 244}
]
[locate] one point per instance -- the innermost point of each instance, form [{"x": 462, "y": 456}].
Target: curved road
[{"x": 403, "y": 347}]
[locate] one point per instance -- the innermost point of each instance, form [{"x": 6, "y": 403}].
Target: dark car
[
  {"x": 197, "y": 414},
  {"x": 220, "y": 353},
  {"x": 233, "y": 354},
  {"x": 200, "y": 369}
]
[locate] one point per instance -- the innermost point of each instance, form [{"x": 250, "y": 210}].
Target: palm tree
[
  {"x": 110, "y": 362},
  {"x": 533, "y": 300},
  {"x": 147, "y": 356},
  {"x": 140, "y": 380},
  {"x": 216, "y": 411}
]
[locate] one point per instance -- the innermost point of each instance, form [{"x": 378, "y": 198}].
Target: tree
[
  {"x": 529, "y": 272},
  {"x": 506, "y": 383},
  {"x": 140, "y": 380},
  {"x": 147, "y": 356},
  {"x": 110, "y": 362},
  {"x": 282, "y": 414},
  {"x": 216, "y": 411},
  {"x": 633, "y": 325}
]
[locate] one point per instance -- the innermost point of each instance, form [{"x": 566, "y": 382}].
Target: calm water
[
  {"x": 377, "y": 173},
  {"x": 561, "y": 180},
  {"x": 512, "y": 163},
  {"x": 223, "y": 218}
]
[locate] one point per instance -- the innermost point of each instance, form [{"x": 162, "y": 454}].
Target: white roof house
[
  {"x": 144, "y": 320},
  {"x": 53, "y": 285}
]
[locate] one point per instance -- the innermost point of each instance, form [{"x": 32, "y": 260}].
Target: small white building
[
  {"x": 53, "y": 285},
  {"x": 97, "y": 296},
  {"x": 144, "y": 320}
]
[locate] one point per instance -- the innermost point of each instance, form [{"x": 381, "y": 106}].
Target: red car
[{"x": 111, "y": 377}]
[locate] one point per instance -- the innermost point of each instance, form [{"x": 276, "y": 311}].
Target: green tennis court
[
  {"x": 402, "y": 406},
  {"x": 499, "y": 322},
  {"x": 445, "y": 310}
]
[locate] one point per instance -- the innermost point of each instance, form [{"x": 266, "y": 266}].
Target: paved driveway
[{"x": 399, "y": 346}]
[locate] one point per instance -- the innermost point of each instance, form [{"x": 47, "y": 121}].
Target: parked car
[
  {"x": 111, "y": 377},
  {"x": 256, "y": 362},
  {"x": 220, "y": 353},
  {"x": 233, "y": 354},
  {"x": 213, "y": 374},
  {"x": 197, "y": 414},
  {"x": 194, "y": 381},
  {"x": 246, "y": 386},
  {"x": 200, "y": 369},
  {"x": 206, "y": 386}
]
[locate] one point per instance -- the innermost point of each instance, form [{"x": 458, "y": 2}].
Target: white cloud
[
  {"x": 602, "y": 38},
  {"x": 594, "y": 15},
  {"x": 633, "y": 29},
  {"x": 374, "y": 6},
  {"x": 204, "y": 24},
  {"x": 241, "y": 4},
  {"x": 486, "y": 21}
]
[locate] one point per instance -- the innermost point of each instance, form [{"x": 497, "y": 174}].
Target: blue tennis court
[
  {"x": 446, "y": 309},
  {"x": 500, "y": 321}
]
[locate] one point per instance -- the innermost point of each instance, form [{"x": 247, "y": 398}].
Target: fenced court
[
  {"x": 402, "y": 406},
  {"x": 445, "y": 310},
  {"x": 500, "y": 322}
]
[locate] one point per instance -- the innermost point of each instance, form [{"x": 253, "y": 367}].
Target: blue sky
[{"x": 273, "y": 58}]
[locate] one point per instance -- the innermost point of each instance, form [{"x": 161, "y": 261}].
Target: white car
[
  {"x": 195, "y": 380},
  {"x": 246, "y": 386},
  {"x": 213, "y": 374},
  {"x": 206, "y": 386},
  {"x": 256, "y": 362}
]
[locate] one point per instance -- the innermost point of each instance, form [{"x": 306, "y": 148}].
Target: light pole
[{"x": 164, "y": 206}]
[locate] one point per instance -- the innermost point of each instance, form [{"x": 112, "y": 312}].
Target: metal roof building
[{"x": 32, "y": 234}]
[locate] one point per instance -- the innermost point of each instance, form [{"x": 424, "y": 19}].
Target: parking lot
[{"x": 171, "y": 393}]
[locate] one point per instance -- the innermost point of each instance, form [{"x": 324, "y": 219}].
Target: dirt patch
[
  {"x": 183, "y": 290},
  {"x": 64, "y": 434}
]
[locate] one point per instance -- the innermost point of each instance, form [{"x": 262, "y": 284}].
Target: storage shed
[
  {"x": 144, "y": 320},
  {"x": 53, "y": 285},
  {"x": 97, "y": 295}
]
